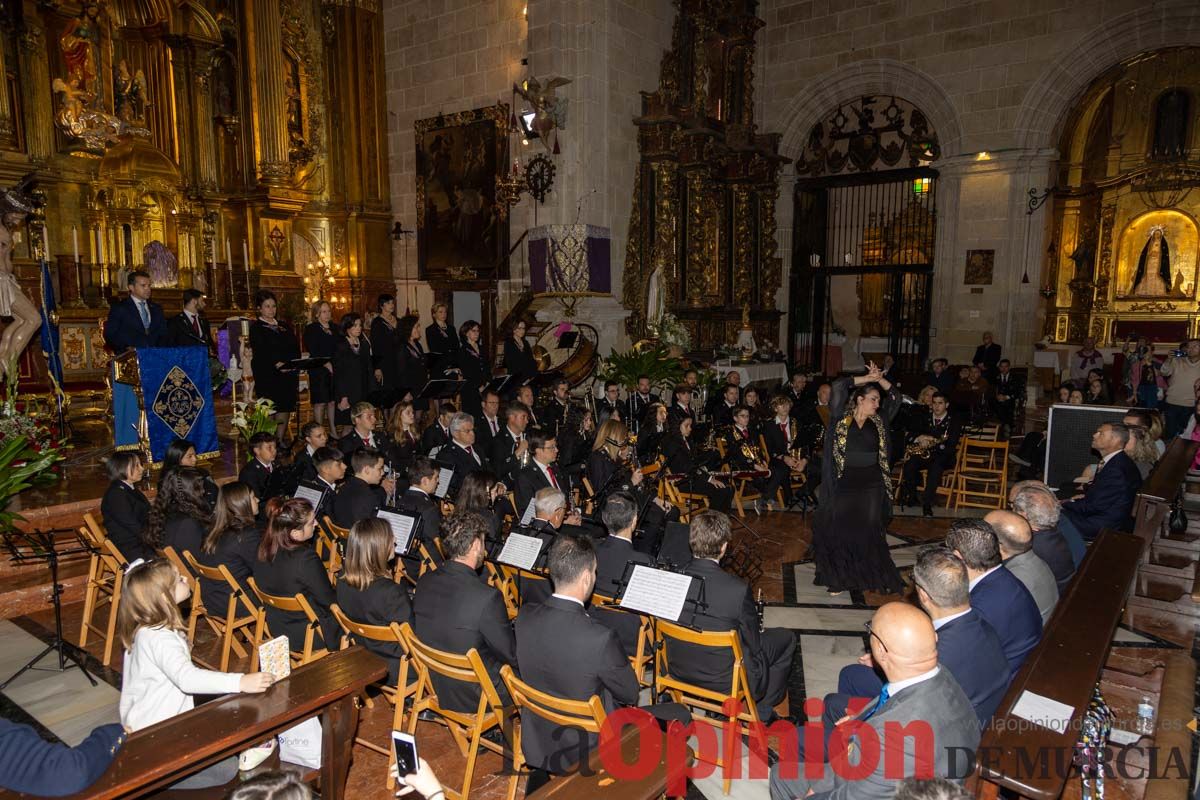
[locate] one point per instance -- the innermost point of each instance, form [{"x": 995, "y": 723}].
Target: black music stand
[
  {"x": 298, "y": 364},
  {"x": 695, "y": 600},
  {"x": 34, "y": 547},
  {"x": 499, "y": 385},
  {"x": 441, "y": 389}
]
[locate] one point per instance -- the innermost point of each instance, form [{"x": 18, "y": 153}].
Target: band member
[
  {"x": 418, "y": 499},
  {"x": 939, "y": 440},
  {"x": 525, "y": 395},
  {"x": 691, "y": 467},
  {"x": 364, "y": 492},
  {"x": 721, "y": 407},
  {"x": 542, "y": 470},
  {"x": 655, "y": 425},
  {"x": 509, "y": 446},
  {"x": 412, "y": 370},
  {"x": 518, "y": 360},
  {"x": 459, "y": 453},
  {"x": 556, "y": 412},
  {"x": 610, "y": 402},
  {"x": 488, "y": 422},
  {"x": 610, "y": 469},
  {"x": 190, "y": 327},
  {"x": 742, "y": 454},
  {"x": 682, "y": 406},
  {"x": 363, "y": 434},
  {"x": 639, "y": 400},
  {"x": 441, "y": 338},
  {"x": 780, "y": 435},
  {"x": 473, "y": 367},
  {"x": 797, "y": 392},
  {"x": 258, "y": 470},
  {"x": 438, "y": 434},
  {"x": 759, "y": 411}
]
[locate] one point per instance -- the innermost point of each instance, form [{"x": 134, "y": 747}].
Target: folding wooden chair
[
  {"x": 587, "y": 715},
  {"x": 333, "y": 529},
  {"x": 743, "y": 489},
  {"x": 688, "y": 503},
  {"x": 467, "y": 728},
  {"x": 508, "y": 591},
  {"x": 396, "y": 695},
  {"x": 643, "y": 655},
  {"x": 329, "y": 553},
  {"x": 106, "y": 574},
  {"x": 519, "y": 580},
  {"x": 981, "y": 480},
  {"x": 707, "y": 700},
  {"x": 296, "y": 604},
  {"x": 230, "y": 624}
]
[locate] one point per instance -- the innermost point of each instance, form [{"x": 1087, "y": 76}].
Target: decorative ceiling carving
[{"x": 869, "y": 134}]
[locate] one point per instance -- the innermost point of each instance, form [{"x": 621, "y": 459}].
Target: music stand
[
  {"x": 441, "y": 389},
  {"x": 568, "y": 340},
  {"x": 298, "y": 364},
  {"x": 40, "y": 546},
  {"x": 694, "y": 598},
  {"x": 499, "y": 385}
]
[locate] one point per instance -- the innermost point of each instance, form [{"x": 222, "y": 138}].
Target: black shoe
[
  {"x": 428, "y": 716},
  {"x": 927, "y": 510},
  {"x": 495, "y": 736}
]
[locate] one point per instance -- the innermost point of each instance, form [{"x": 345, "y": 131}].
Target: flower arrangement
[
  {"x": 670, "y": 331},
  {"x": 28, "y": 452},
  {"x": 251, "y": 418}
]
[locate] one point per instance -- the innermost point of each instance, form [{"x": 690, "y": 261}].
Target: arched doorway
[{"x": 864, "y": 225}]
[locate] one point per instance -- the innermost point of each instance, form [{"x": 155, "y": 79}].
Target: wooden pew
[
  {"x": 596, "y": 783},
  {"x": 1064, "y": 666},
  {"x": 156, "y": 757},
  {"x": 1167, "y": 579}
]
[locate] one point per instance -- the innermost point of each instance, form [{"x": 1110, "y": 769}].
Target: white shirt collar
[
  {"x": 417, "y": 489},
  {"x": 572, "y": 599},
  {"x": 895, "y": 687},
  {"x": 1104, "y": 461},
  {"x": 938, "y": 623},
  {"x": 310, "y": 449},
  {"x": 938, "y": 420},
  {"x": 975, "y": 581},
  {"x": 327, "y": 483},
  {"x": 516, "y": 436}
]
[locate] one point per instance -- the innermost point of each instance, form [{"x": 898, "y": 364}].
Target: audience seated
[
  {"x": 730, "y": 606},
  {"x": 181, "y": 515},
  {"x": 366, "y": 592},
  {"x": 1016, "y": 550},
  {"x": 613, "y": 553},
  {"x": 1108, "y": 502},
  {"x": 1034, "y": 501},
  {"x": 287, "y": 565},
  {"x": 454, "y": 610},
  {"x": 1141, "y": 449},
  {"x": 258, "y": 469},
  {"x": 996, "y": 593},
  {"x": 904, "y": 645},
  {"x": 362, "y": 493},
  {"x": 124, "y": 508},
  {"x": 232, "y": 541},
  {"x": 32, "y": 765},
  {"x": 930, "y": 789}
]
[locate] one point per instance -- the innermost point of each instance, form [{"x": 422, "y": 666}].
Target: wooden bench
[
  {"x": 1167, "y": 579},
  {"x": 163, "y": 754},
  {"x": 595, "y": 782}
]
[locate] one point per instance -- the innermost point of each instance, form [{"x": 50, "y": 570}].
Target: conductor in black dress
[
  {"x": 320, "y": 337},
  {"x": 474, "y": 368},
  {"x": 385, "y": 343},
  {"x": 410, "y": 358},
  {"x": 273, "y": 344},
  {"x": 441, "y": 339},
  {"x": 354, "y": 376},
  {"x": 518, "y": 360}
]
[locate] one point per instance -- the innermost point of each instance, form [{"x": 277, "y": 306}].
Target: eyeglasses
[{"x": 867, "y": 625}]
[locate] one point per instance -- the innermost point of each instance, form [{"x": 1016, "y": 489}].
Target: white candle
[
  {"x": 246, "y": 255},
  {"x": 45, "y": 243},
  {"x": 75, "y": 242},
  {"x": 228, "y": 255},
  {"x": 212, "y": 242}
]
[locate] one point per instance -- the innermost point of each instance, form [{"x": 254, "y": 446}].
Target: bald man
[
  {"x": 1016, "y": 552},
  {"x": 903, "y": 645}
]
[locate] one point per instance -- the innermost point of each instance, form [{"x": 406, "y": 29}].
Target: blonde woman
[
  {"x": 609, "y": 470},
  {"x": 320, "y": 339}
]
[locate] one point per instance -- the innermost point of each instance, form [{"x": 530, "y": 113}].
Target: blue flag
[
  {"x": 50, "y": 335},
  {"x": 177, "y": 392}
]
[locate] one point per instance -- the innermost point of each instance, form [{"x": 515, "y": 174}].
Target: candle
[
  {"x": 228, "y": 254},
  {"x": 75, "y": 242},
  {"x": 246, "y": 254},
  {"x": 212, "y": 243},
  {"x": 45, "y": 243}
]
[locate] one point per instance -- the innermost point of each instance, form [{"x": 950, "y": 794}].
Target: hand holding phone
[{"x": 405, "y": 748}]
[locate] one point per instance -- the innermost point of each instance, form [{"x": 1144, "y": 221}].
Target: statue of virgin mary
[{"x": 1153, "y": 275}]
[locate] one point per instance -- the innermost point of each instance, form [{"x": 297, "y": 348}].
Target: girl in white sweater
[{"x": 159, "y": 677}]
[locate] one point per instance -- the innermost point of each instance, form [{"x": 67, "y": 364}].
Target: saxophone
[{"x": 916, "y": 450}]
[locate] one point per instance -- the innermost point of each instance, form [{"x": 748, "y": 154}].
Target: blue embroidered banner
[{"x": 177, "y": 392}]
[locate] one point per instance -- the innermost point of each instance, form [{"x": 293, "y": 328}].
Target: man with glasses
[{"x": 542, "y": 471}]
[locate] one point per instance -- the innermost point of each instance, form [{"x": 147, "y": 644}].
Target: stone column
[
  {"x": 7, "y": 127},
  {"x": 264, "y": 52},
  {"x": 35, "y": 89}
]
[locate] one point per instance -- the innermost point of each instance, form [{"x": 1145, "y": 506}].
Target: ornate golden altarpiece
[{"x": 702, "y": 229}]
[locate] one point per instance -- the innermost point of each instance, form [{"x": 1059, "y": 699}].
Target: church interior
[{"x": 755, "y": 335}]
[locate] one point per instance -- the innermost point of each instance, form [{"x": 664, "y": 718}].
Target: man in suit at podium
[
  {"x": 190, "y": 327},
  {"x": 137, "y": 321}
]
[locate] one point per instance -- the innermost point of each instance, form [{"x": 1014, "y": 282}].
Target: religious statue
[
  {"x": 77, "y": 120},
  {"x": 162, "y": 265},
  {"x": 129, "y": 95},
  {"x": 745, "y": 340},
  {"x": 550, "y": 111},
  {"x": 656, "y": 295},
  {"x": 1153, "y": 275},
  {"x": 26, "y": 320},
  {"x": 79, "y": 43}
]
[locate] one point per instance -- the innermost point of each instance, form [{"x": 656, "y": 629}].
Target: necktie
[
  {"x": 145, "y": 314},
  {"x": 196, "y": 326},
  {"x": 269, "y": 466},
  {"x": 784, "y": 429},
  {"x": 745, "y": 433},
  {"x": 492, "y": 422},
  {"x": 553, "y": 479},
  {"x": 470, "y": 451},
  {"x": 371, "y": 440},
  {"x": 884, "y": 694}
]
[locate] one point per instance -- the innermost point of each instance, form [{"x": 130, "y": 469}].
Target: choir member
[
  {"x": 441, "y": 339},
  {"x": 272, "y": 345},
  {"x": 354, "y": 376},
  {"x": 319, "y": 341},
  {"x": 473, "y": 367},
  {"x": 384, "y": 345},
  {"x": 411, "y": 358},
  {"x": 518, "y": 359}
]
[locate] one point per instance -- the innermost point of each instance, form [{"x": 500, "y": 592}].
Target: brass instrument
[{"x": 917, "y": 450}]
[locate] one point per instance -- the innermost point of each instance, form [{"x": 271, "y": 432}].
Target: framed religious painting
[
  {"x": 462, "y": 222},
  {"x": 1156, "y": 257},
  {"x": 980, "y": 264}
]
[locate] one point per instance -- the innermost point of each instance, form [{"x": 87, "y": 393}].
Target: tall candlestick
[
  {"x": 45, "y": 243},
  {"x": 75, "y": 242},
  {"x": 229, "y": 266},
  {"x": 246, "y": 255}
]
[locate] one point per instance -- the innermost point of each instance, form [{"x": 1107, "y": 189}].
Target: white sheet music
[
  {"x": 311, "y": 495},
  {"x": 527, "y": 517},
  {"x": 657, "y": 592},
  {"x": 402, "y": 528},
  {"x": 1044, "y": 711},
  {"x": 520, "y": 551},
  {"x": 443, "y": 482}
]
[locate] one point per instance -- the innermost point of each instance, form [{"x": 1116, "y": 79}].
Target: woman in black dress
[
  {"x": 441, "y": 338},
  {"x": 411, "y": 360},
  {"x": 124, "y": 508},
  {"x": 353, "y": 373},
  {"x": 518, "y": 360},
  {"x": 272, "y": 345},
  {"x": 473, "y": 365},
  {"x": 181, "y": 514},
  {"x": 850, "y": 526},
  {"x": 366, "y": 592},
  {"x": 680, "y": 458},
  {"x": 233, "y": 541},
  {"x": 384, "y": 343},
  {"x": 319, "y": 340}
]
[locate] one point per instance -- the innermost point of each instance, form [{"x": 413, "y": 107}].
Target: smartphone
[{"x": 406, "y": 752}]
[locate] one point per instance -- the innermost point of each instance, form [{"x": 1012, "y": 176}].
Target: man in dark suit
[
  {"x": 720, "y": 408},
  {"x": 919, "y": 695},
  {"x": 460, "y": 454},
  {"x": 29, "y": 764},
  {"x": 1108, "y": 502},
  {"x": 542, "y": 472},
  {"x": 996, "y": 594},
  {"x": 488, "y": 424},
  {"x": 1034, "y": 501},
  {"x": 798, "y": 392},
  {"x": 362, "y": 494},
  {"x": 418, "y": 499},
  {"x": 939, "y": 434},
  {"x": 510, "y": 445},
  {"x": 613, "y": 553},
  {"x": 437, "y": 434},
  {"x": 555, "y": 414},
  {"x": 136, "y": 321},
  {"x": 1008, "y": 393},
  {"x": 730, "y": 606},
  {"x": 258, "y": 469},
  {"x": 455, "y": 610},
  {"x": 190, "y": 327},
  {"x": 330, "y": 467},
  {"x": 363, "y": 434},
  {"x": 987, "y": 356},
  {"x": 563, "y": 651},
  {"x": 611, "y": 401},
  {"x": 638, "y": 401},
  {"x": 940, "y": 377}
]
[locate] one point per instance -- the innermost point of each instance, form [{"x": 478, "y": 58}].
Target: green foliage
[
  {"x": 655, "y": 362},
  {"x": 22, "y": 465}
]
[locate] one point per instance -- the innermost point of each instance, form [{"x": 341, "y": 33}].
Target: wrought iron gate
[{"x": 876, "y": 231}]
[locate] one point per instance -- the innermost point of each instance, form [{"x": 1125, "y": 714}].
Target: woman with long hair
[
  {"x": 353, "y": 380},
  {"x": 410, "y": 356},
  {"x": 366, "y": 592},
  {"x": 181, "y": 514},
  {"x": 654, "y": 425},
  {"x": 405, "y": 442},
  {"x": 478, "y": 495},
  {"x": 182, "y": 453},
  {"x": 124, "y": 508},
  {"x": 273, "y": 345},
  {"x": 233, "y": 541},
  {"x": 518, "y": 360},
  {"x": 474, "y": 367},
  {"x": 320, "y": 339},
  {"x": 681, "y": 458},
  {"x": 850, "y": 526},
  {"x": 288, "y": 566},
  {"x": 610, "y": 470}
]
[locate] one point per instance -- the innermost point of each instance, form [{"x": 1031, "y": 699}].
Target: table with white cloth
[{"x": 772, "y": 371}]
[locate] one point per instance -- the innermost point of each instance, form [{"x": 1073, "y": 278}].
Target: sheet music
[
  {"x": 443, "y": 482},
  {"x": 402, "y": 527},
  {"x": 1044, "y": 711},
  {"x": 520, "y": 551},
  {"x": 657, "y": 592},
  {"x": 311, "y": 495},
  {"x": 527, "y": 517}
]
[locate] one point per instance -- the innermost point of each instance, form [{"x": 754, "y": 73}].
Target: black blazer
[
  {"x": 412, "y": 373},
  {"x": 462, "y": 462},
  {"x": 385, "y": 344},
  {"x": 565, "y": 652},
  {"x": 455, "y": 610},
  {"x": 778, "y": 444},
  {"x": 733, "y": 447},
  {"x": 181, "y": 334},
  {"x": 989, "y": 356},
  {"x": 518, "y": 362},
  {"x": 299, "y": 571},
  {"x": 949, "y": 429},
  {"x": 442, "y": 343},
  {"x": 530, "y": 481},
  {"x": 124, "y": 329},
  {"x": 433, "y": 436},
  {"x": 504, "y": 460},
  {"x": 352, "y": 443},
  {"x": 255, "y": 475},
  {"x": 417, "y": 502},
  {"x": 184, "y": 533},
  {"x": 1051, "y": 547},
  {"x": 484, "y": 440},
  {"x": 1108, "y": 502},
  {"x": 969, "y": 647},
  {"x": 353, "y": 373},
  {"x": 357, "y": 499},
  {"x": 635, "y": 408},
  {"x": 124, "y": 510},
  {"x": 272, "y": 345},
  {"x": 612, "y": 554},
  {"x": 383, "y": 601},
  {"x": 238, "y": 551},
  {"x": 475, "y": 368}
]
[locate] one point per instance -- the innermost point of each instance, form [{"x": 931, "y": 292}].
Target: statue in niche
[
  {"x": 129, "y": 95},
  {"x": 1153, "y": 275},
  {"x": 656, "y": 296},
  {"x": 78, "y": 120},
  {"x": 79, "y": 43}
]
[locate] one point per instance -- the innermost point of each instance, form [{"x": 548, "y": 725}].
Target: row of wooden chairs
[{"x": 979, "y": 478}]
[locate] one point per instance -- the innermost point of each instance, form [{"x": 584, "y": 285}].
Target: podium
[{"x": 161, "y": 394}]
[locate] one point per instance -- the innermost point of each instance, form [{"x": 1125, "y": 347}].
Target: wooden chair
[
  {"x": 396, "y": 695},
  {"x": 500, "y": 581},
  {"x": 106, "y": 574},
  {"x": 467, "y": 728},
  {"x": 981, "y": 479},
  {"x": 588, "y": 498},
  {"x": 230, "y": 625},
  {"x": 518, "y": 577},
  {"x": 95, "y": 526},
  {"x": 796, "y": 480},
  {"x": 688, "y": 503},
  {"x": 182, "y": 568},
  {"x": 707, "y": 700},
  {"x": 644, "y": 654},
  {"x": 945, "y": 487},
  {"x": 427, "y": 561},
  {"x": 330, "y": 554},
  {"x": 297, "y": 604},
  {"x": 587, "y": 715},
  {"x": 333, "y": 529},
  {"x": 743, "y": 489}
]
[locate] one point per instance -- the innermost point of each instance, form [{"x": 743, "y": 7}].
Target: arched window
[{"x": 1170, "y": 125}]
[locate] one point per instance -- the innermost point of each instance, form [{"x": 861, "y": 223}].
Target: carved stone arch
[
  {"x": 870, "y": 77},
  {"x": 1046, "y": 109},
  {"x": 193, "y": 20}
]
